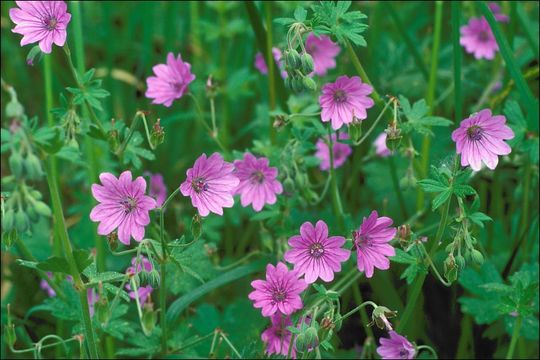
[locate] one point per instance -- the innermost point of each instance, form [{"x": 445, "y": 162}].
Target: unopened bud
[
  {"x": 196, "y": 226},
  {"x": 34, "y": 56},
  {"x": 380, "y": 317},
  {"x": 292, "y": 58},
  {"x": 477, "y": 257},
  {"x": 21, "y": 221},
  {"x": 312, "y": 338},
  {"x": 149, "y": 318},
  {"x": 8, "y": 219},
  {"x": 33, "y": 167},
  {"x": 355, "y": 131},
  {"x": 307, "y": 63},
  {"x": 309, "y": 83},
  {"x": 297, "y": 84},
  {"x": 288, "y": 185},
  {"x": 42, "y": 208},
  {"x": 16, "y": 164}
]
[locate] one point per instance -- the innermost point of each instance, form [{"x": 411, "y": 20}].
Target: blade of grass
[
  {"x": 528, "y": 29},
  {"x": 531, "y": 104}
]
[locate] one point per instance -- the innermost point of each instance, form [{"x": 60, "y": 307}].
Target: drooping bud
[
  {"x": 450, "y": 268},
  {"x": 380, "y": 317},
  {"x": 158, "y": 133},
  {"x": 8, "y": 219},
  {"x": 33, "y": 167},
  {"x": 297, "y": 84},
  {"x": 292, "y": 57},
  {"x": 149, "y": 318},
  {"x": 355, "y": 131},
  {"x": 312, "y": 338},
  {"x": 21, "y": 221},
  {"x": 307, "y": 63},
  {"x": 309, "y": 83},
  {"x": 42, "y": 208},
  {"x": 477, "y": 257},
  {"x": 460, "y": 261},
  {"x": 16, "y": 164},
  {"x": 34, "y": 56}
]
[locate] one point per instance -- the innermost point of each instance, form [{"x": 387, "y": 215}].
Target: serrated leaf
[
  {"x": 83, "y": 259},
  {"x": 441, "y": 199},
  {"x": 430, "y": 185},
  {"x": 54, "y": 264},
  {"x": 463, "y": 190},
  {"x": 300, "y": 14},
  {"x": 403, "y": 258}
]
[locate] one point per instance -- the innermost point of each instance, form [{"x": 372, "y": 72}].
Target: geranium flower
[
  {"x": 277, "y": 338},
  {"x": 396, "y": 347},
  {"x": 324, "y": 52},
  {"x": 341, "y": 151}
]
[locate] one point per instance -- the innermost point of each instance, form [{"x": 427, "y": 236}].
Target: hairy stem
[{"x": 336, "y": 199}]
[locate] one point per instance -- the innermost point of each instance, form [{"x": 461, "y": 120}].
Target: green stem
[
  {"x": 207, "y": 127},
  {"x": 426, "y": 144},
  {"x": 513, "y": 68},
  {"x": 224, "y": 337},
  {"x": 457, "y": 55},
  {"x": 359, "y": 68},
  {"x": 370, "y": 130},
  {"x": 434, "y": 268},
  {"x": 526, "y": 26},
  {"x": 271, "y": 69},
  {"x": 336, "y": 199},
  {"x": 68, "y": 254},
  {"x": 515, "y": 337},
  {"x": 361, "y": 306},
  {"x": 429, "y": 348}
]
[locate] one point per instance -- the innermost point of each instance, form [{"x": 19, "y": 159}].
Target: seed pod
[
  {"x": 307, "y": 63},
  {"x": 477, "y": 257},
  {"x": 33, "y": 167},
  {"x": 460, "y": 261},
  {"x": 392, "y": 142},
  {"x": 21, "y": 221},
  {"x": 42, "y": 208},
  {"x": 8, "y": 219},
  {"x": 36, "y": 194},
  {"x": 16, "y": 164},
  {"x": 309, "y": 83},
  {"x": 288, "y": 83},
  {"x": 149, "y": 319},
  {"x": 32, "y": 213},
  {"x": 293, "y": 59},
  {"x": 297, "y": 84},
  {"x": 288, "y": 185}
]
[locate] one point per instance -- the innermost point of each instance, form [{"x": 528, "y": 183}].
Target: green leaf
[
  {"x": 403, "y": 258},
  {"x": 441, "y": 199},
  {"x": 463, "y": 190},
  {"x": 55, "y": 264},
  {"x": 430, "y": 185},
  {"x": 183, "y": 302},
  {"x": 300, "y": 14},
  {"x": 83, "y": 259}
]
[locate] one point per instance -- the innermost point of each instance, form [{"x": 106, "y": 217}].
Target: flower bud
[
  {"x": 42, "y": 208},
  {"x": 380, "y": 317},
  {"x": 312, "y": 338},
  {"x": 307, "y": 63},
  {"x": 32, "y": 213},
  {"x": 292, "y": 57},
  {"x": 301, "y": 180},
  {"x": 355, "y": 131},
  {"x": 103, "y": 310},
  {"x": 301, "y": 344},
  {"x": 14, "y": 109},
  {"x": 8, "y": 220},
  {"x": 450, "y": 268},
  {"x": 21, "y": 221},
  {"x": 33, "y": 167},
  {"x": 309, "y": 83},
  {"x": 477, "y": 257},
  {"x": 34, "y": 56},
  {"x": 16, "y": 164},
  {"x": 288, "y": 80},
  {"x": 158, "y": 134},
  {"x": 393, "y": 137},
  {"x": 288, "y": 185},
  {"x": 154, "y": 279},
  {"x": 460, "y": 261},
  {"x": 112, "y": 240},
  {"x": 149, "y": 319},
  {"x": 297, "y": 84}
]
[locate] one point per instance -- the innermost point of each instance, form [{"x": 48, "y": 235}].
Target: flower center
[
  {"x": 177, "y": 86},
  {"x": 340, "y": 96},
  {"x": 403, "y": 354},
  {"x": 483, "y": 36},
  {"x": 129, "y": 204},
  {"x": 475, "y": 132},
  {"x": 50, "y": 23},
  {"x": 257, "y": 177},
  {"x": 278, "y": 295},
  {"x": 199, "y": 184},
  {"x": 361, "y": 241},
  {"x": 316, "y": 250}
]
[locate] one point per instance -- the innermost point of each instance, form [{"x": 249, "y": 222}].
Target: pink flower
[
  {"x": 92, "y": 298},
  {"x": 324, "y": 52},
  {"x": 41, "y": 21},
  {"x": 44, "y": 285},
  {"x": 277, "y": 338},
  {"x": 140, "y": 264},
  {"x": 478, "y": 39},
  {"x": 380, "y": 145},
  {"x": 143, "y": 292},
  {"x": 481, "y": 138},
  {"x": 210, "y": 183},
  {"x": 397, "y": 347},
  {"x": 258, "y": 184},
  {"x": 171, "y": 81},
  {"x": 496, "y": 10},
  {"x": 123, "y": 206},
  {"x": 345, "y": 100},
  {"x": 158, "y": 189},
  {"x": 260, "y": 62},
  {"x": 316, "y": 255},
  {"x": 371, "y": 242},
  {"x": 280, "y": 291},
  {"x": 341, "y": 151}
]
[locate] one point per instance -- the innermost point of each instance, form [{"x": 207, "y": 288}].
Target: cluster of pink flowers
[
  {"x": 139, "y": 265},
  {"x": 315, "y": 255}
]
